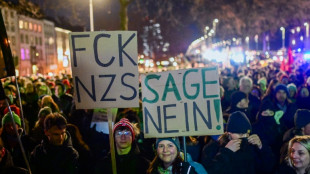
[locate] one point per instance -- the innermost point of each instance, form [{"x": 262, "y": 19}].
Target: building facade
[{"x": 38, "y": 47}]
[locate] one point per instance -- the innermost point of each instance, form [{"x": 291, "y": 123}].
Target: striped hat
[{"x": 124, "y": 122}]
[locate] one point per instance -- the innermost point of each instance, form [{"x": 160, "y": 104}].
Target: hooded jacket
[
  {"x": 249, "y": 159},
  {"x": 50, "y": 159}
]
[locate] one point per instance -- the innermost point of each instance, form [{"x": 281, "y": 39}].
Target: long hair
[
  {"x": 304, "y": 141},
  {"x": 157, "y": 162}
]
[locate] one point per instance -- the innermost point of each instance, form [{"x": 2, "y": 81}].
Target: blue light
[
  {"x": 307, "y": 56},
  {"x": 299, "y": 50}
]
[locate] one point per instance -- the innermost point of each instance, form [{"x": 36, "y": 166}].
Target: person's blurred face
[
  {"x": 59, "y": 91},
  {"x": 167, "y": 152},
  {"x": 123, "y": 139},
  {"x": 244, "y": 103},
  {"x": 231, "y": 84},
  {"x": 246, "y": 86},
  {"x": 306, "y": 129},
  {"x": 281, "y": 96},
  {"x": 292, "y": 93},
  {"x": 304, "y": 93},
  {"x": 284, "y": 81},
  {"x": 299, "y": 156},
  {"x": 9, "y": 129},
  {"x": 56, "y": 136},
  {"x": 29, "y": 88}
]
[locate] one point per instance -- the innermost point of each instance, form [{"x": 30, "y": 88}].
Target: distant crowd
[{"x": 266, "y": 113}]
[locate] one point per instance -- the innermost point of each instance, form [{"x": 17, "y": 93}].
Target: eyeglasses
[{"x": 120, "y": 133}]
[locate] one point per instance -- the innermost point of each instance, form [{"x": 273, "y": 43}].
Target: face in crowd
[
  {"x": 56, "y": 136},
  {"x": 9, "y": 128},
  {"x": 299, "y": 156},
  {"x": 281, "y": 96},
  {"x": 246, "y": 86},
  {"x": 123, "y": 138},
  {"x": 167, "y": 152}
]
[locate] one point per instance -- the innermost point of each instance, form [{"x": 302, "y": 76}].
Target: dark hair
[
  {"x": 55, "y": 119},
  {"x": 176, "y": 167}
]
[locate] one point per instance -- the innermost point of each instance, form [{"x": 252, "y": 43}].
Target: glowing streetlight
[
  {"x": 306, "y": 24},
  {"x": 256, "y": 41}
]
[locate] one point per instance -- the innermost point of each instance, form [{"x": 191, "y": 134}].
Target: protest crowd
[{"x": 266, "y": 113}]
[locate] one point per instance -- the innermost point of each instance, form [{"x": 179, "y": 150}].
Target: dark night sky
[{"x": 106, "y": 17}]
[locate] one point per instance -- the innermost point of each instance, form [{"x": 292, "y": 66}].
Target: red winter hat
[
  {"x": 124, "y": 122},
  {"x": 66, "y": 82},
  {"x": 13, "y": 108}
]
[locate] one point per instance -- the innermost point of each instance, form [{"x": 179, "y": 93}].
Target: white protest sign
[
  {"x": 105, "y": 69},
  {"x": 182, "y": 103}
]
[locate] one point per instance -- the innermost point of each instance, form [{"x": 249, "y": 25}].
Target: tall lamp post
[
  {"x": 307, "y": 41},
  {"x": 283, "y": 37},
  {"x": 215, "y": 21},
  {"x": 91, "y": 15}
]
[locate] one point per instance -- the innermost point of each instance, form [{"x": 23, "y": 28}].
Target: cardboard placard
[
  {"x": 182, "y": 103},
  {"x": 105, "y": 69}
]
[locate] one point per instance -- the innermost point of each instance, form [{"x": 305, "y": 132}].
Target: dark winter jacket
[
  {"x": 132, "y": 163},
  {"x": 286, "y": 169},
  {"x": 12, "y": 145},
  {"x": 49, "y": 159},
  {"x": 7, "y": 165},
  {"x": 249, "y": 159},
  {"x": 288, "y": 116},
  {"x": 270, "y": 133}
]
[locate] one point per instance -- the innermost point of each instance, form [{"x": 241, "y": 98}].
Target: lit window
[
  {"x": 22, "y": 53},
  {"x": 26, "y": 25},
  {"x": 35, "y": 27},
  {"x": 30, "y": 26},
  {"x": 39, "y": 28},
  {"x": 27, "y": 54},
  {"x": 21, "y": 24}
]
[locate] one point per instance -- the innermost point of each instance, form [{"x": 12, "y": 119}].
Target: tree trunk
[{"x": 123, "y": 13}]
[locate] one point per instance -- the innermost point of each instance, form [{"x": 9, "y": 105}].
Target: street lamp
[
  {"x": 256, "y": 41},
  {"x": 206, "y": 31},
  {"x": 215, "y": 21},
  {"x": 247, "y": 41},
  {"x": 306, "y": 24},
  {"x": 91, "y": 15},
  {"x": 283, "y": 37}
]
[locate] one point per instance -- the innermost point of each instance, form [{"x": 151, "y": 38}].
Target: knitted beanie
[
  {"x": 238, "y": 123},
  {"x": 281, "y": 87},
  {"x": 124, "y": 122},
  {"x": 302, "y": 118},
  {"x": 292, "y": 86},
  {"x": 174, "y": 140},
  {"x": 7, "y": 119},
  {"x": 13, "y": 108},
  {"x": 236, "y": 97}
]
